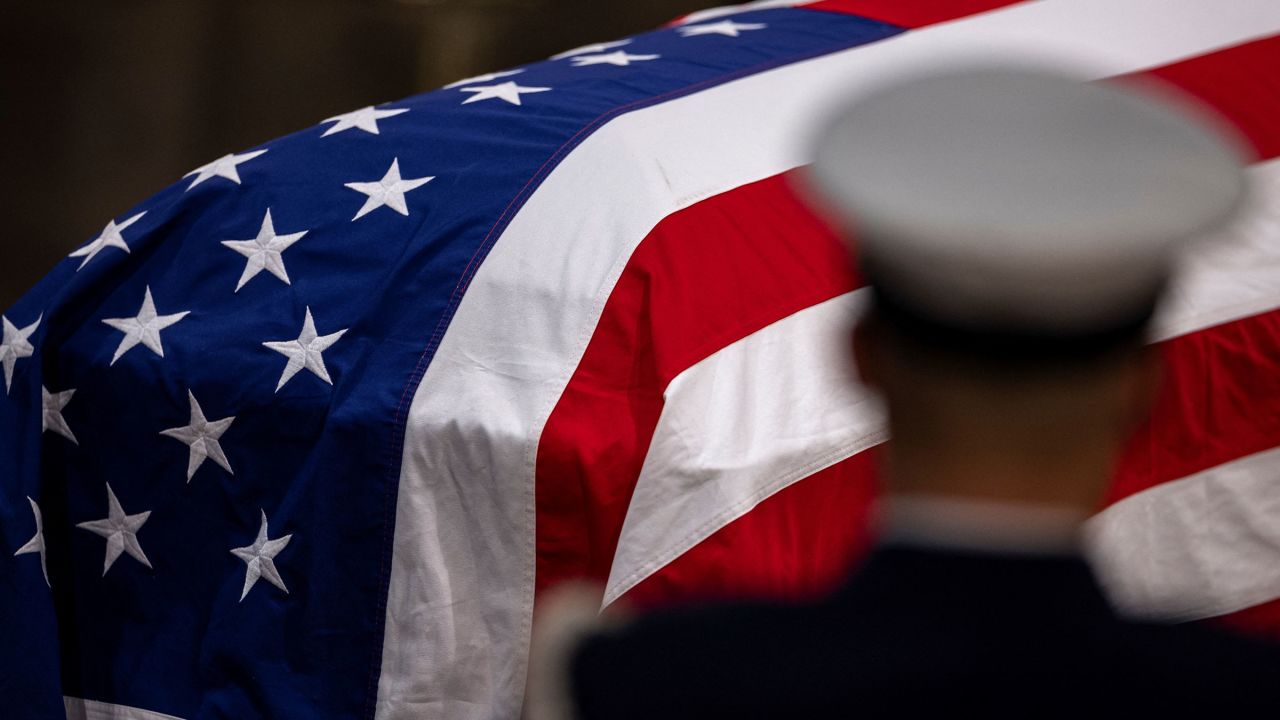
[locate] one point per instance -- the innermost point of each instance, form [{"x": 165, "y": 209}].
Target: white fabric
[
  {"x": 1202, "y": 546},
  {"x": 461, "y": 588},
  {"x": 726, "y": 10},
  {"x": 80, "y": 709}
]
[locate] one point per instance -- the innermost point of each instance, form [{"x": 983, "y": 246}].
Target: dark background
[{"x": 104, "y": 102}]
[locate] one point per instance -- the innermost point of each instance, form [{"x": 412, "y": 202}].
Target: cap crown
[{"x": 1024, "y": 198}]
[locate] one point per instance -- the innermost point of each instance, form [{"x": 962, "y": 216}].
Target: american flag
[{"x": 305, "y": 434}]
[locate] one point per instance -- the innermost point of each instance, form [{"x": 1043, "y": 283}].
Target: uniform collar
[{"x": 979, "y": 526}]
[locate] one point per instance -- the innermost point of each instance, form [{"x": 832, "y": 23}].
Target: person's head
[
  {"x": 1016, "y": 229},
  {"x": 993, "y": 402}
]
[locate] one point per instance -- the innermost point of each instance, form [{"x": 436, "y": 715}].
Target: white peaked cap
[{"x": 1024, "y": 199}]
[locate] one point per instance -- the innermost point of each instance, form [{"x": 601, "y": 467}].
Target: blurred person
[{"x": 1017, "y": 229}]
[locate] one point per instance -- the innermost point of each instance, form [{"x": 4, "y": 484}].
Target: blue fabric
[{"x": 321, "y": 461}]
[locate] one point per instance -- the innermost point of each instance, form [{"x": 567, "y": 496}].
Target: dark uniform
[
  {"x": 926, "y": 632},
  {"x": 998, "y": 213}
]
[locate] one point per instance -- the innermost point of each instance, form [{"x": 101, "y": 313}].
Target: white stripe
[
  {"x": 81, "y": 709},
  {"x": 760, "y": 414},
  {"x": 776, "y": 406},
  {"x": 461, "y": 588},
  {"x": 1206, "y": 545}
]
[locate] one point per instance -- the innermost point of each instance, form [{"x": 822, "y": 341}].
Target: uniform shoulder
[
  {"x": 1195, "y": 662},
  {"x": 699, "y": 662},
  {"x": 1211, "y": 644}
]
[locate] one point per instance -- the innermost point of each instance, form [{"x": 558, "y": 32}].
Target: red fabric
[
  {"x": 705, "y": 277},
  {"x": 1260, "y": 621},
  {"x": 1221, "y": 401},
  {"x": 910, "y": 13},
  {"x": 1222, "y": 389}
]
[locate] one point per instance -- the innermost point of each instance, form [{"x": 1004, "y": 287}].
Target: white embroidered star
[
  {"x": 143, "y": 328},
  {"x": 620, "y": 58},
  {"x": 259, "y": 559},
  {"x": 201, "y": 436},
  {"x": 109, "y": 237},
  {"x": 388, "y": 191},
  {"x": 724, "y": 27},
  {"x": 305, "y": 352},
  {"x": 365, "y": 119},
  {"x": 487, "y": 77},
  {"x": 15, "y": 344},
  {"x": 508, "y": 91},
  {"x": 223, "y": 167},
  {"x": 120, "y": 530},
  {"x": 51, "y": 412},
  {"x": 36, "y": 543},
  {"x": 264, "y": 251},
  {"x": 592, "y": 48}
]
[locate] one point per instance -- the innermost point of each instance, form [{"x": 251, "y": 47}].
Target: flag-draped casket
[{"x": 306, "y": 433}]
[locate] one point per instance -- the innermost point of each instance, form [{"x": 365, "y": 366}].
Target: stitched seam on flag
[
  {"x": 396, "y": 441},
  {"x": 704, "y": 530}
]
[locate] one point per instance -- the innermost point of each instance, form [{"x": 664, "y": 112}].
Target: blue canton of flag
[{"x": 204, "y": 406}]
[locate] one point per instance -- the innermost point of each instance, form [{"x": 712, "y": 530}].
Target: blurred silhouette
[{"x": 1017, "y": 229}]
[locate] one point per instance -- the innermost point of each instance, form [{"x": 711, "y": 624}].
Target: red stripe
[
  {"x": 1221, "y": 402},
  {"x": 715, "y": 272},
  {"x": 910, "y": 13},
  {"x": 706, "y": 277}
]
